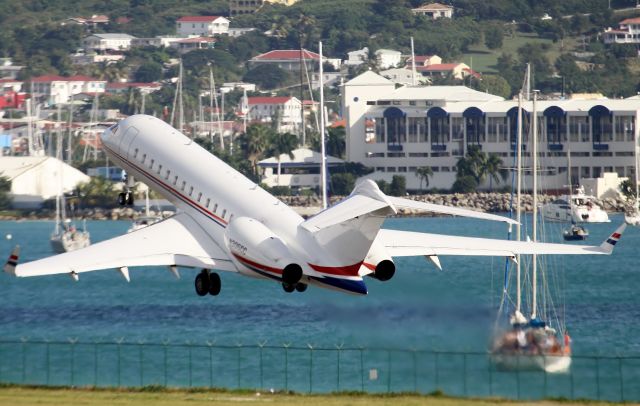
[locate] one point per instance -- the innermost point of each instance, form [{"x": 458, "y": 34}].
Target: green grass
[
  {"x": 22, "y": 396},
  {"x": 483, "y": 59}
]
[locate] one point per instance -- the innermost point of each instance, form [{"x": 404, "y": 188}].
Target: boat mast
[
  {"x": 534, "y": 169},
  {"x": 58, "y": 158},
  {"x": 518, "y": 200},
  {"x": 323, "y": 162}
]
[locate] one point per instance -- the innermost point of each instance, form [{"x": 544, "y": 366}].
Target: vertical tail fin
[{"x": 12, "y": 262}]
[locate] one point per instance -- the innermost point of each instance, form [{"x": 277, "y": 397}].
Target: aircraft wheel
[
  {"x": 215, "y": 284},
  {"x": 122, "y": 199},
  {"x": 301, "y": 287},
  {"x": 129, "y": 199},
  {"x": 288, "y": 287},
  {"x": 202, "y": 284}
]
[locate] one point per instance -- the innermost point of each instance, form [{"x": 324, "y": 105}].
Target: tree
[
  {"x": 398, "y": 186},
  {"x": 494, "y": 169},
  {"x": 283, "y": 144},
  {"x": 254, "y": 143},
  {"x": 628, "y": 190},
  {"x": 424, "y": 173},
  {"x": 493, "y": 84},
  {"x": 336, "y": 142},
  {"x": 267, "y": 76},
  {"x": 98, "y": 192},
  {"x": 464, "y": 184},
  {"x": 148, "y": 72},
  {"x": 493, "y": 36},
  {"x": 5, "y": 189},
  {"x": 342, "y": 183}
]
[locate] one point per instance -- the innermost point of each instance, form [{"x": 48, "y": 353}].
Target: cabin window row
[{"x": 183, "y": 186}]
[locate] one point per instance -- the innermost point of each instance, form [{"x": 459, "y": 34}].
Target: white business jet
[{"x": 226, "y": 222}]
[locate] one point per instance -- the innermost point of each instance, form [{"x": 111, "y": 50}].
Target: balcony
[
  {"x": 600, "y": 147},
  {"x": 394, "y": 147},
  {"x": 555, "y": 147},
  {"x": 438, "y": 147}
]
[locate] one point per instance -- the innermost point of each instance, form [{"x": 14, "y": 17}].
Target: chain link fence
[{"x": 308, "y": 369}]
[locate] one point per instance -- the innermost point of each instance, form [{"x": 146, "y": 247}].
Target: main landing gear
[
  {"x": 208, "y": 282},
  {"x": 125, "y": 198},
  {"x": 290, "y": 287}
]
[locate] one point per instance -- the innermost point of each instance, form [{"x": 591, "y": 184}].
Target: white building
[
  {"x": 36, "y": 179},
  {"x": 158, "y": 41},
  {"x": 388, "y": 58},
  {"x": 231, "y": 86},
  {"x": 628, "y": 32},
  {"x": 53, "y": 89},
  {"x": 202, "y": 25},
  {"x": 434, "y": 11},
  {"x": 402, "y": 76},
  {"x": 107, "y": 42},
  {"x": 355, "y": 58},
  {"x": 87, "y": 59},
  {"x": 395, "y": 131},
  {"x": 190, "y": 44},
  {"x": 303, "y": 171},
  {"x": 285, "y": 111}
]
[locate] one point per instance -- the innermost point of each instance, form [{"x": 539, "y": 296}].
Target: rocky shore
[{"x": 309, "y": 205}]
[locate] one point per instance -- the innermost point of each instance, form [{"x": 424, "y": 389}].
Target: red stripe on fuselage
[
  {"x": 349, "y": 270},
  {"x": 615, "y": 235},
  {"x": 257, "y": 265}
]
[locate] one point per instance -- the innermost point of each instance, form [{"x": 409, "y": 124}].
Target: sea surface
[{"x": 420, "y": 308}]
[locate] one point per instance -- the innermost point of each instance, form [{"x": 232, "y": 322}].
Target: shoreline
[{"x": 308, "y": 206}]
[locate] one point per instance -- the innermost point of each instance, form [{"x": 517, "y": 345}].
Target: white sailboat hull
[
  {"x": 632, "y": 219},
  {"x": 557, "y": 212},
  {"x": 69, "y": 241},
  {"x": 552, "y": 364}
]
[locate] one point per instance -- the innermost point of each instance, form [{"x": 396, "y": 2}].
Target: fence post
[
  {"x": 415, "y": 371},
  {"x": 261, "y": 345},
  {"x": 24, "y": 359},
  {"x": 362, "y": 369},
  {"x": 73, "y": 342},
  {"x": 464, "y": 371},
  {"x": 164, "y": 347},
  {"x": 188, "y": 343},
  {"x": 286, "y": 366},
  {"x": 339, "y": 348},
  {"x": 210, "y": 344},
  {"x": 388, "y": 371},
  {"x": 95, "y": 363},
  {"x": 140, "y": 344},
  {"x": 310, "y": 367},
  {"x": 598, "y": 377},
  {"x": 47, "y": 360},
  {"x": 239, "y": 361},
  {"x": 621, "y": 379},
  {"x": 119, "y": 343}
]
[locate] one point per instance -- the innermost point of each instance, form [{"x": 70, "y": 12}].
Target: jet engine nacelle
[
  {"x": 257, "y": 250},
  {"x": 384, "y": 270}
]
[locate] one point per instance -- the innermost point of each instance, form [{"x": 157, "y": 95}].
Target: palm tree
[
  {"x": 283, "y": 144},
  {"x": 335, "y": 143},
  {"x": 254, "y": 143},
  {"x": 493, "y": 168},
  {"x": 424, "y": 173}
]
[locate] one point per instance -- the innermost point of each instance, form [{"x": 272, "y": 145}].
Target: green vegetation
[
  {"x": 474, "y": 168},
  {"x": 27, "y": 396},
  {"x": 5, "y": 189}
]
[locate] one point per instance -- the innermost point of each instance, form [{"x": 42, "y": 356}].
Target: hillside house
[
  {"x": 190, "y": 44},
  {"x": 388, "y": 58},
  {"x": 289, "y": 59},
  {"x": 434, "y": 11},
  {"x": 202, "y": 25},
  {"x": 628, "y": 32},
  {"x": 239, "y": 7},
  {"x": 53, "y": 89},
  {"x": 285, "y": 111},
  {"x": 107, "y": 42}
]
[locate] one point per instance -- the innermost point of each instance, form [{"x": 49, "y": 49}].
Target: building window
[
  {"x": 396, "y": 130},
  {"x": 624, "y": 127},
  {"x": 380, "y": 126},
  {"x": 439, "y": 130},
  {"x": 578, "y": 128},
  {"x": 497, "y": 129},
  {"x": 475, "y": 130},
  {"x": 417, "y": 129},
  {"x": 556, "y": 130}
]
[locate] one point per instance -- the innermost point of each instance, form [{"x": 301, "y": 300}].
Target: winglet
[
  {"x": 612, "y": 240},
  {"x": 12, "y": 262}
]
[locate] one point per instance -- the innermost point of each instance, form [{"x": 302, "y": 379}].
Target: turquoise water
[
  {"x": 155, "y": 330},
  {"x": 419, "y": 308}
]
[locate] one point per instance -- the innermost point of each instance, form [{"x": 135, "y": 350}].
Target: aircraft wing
[
  {"x": 408, "y": 243},
  {"x": 401, "y": 203},
  {"x": 176, "y": 241}
]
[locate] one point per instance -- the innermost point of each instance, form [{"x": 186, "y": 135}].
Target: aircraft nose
[{"x": 108, "y": 135}]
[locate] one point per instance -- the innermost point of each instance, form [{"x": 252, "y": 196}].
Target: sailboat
[
  {"x": 530, "y": 343},
  {"x": 575, "y": 232},
  {"x": 633, "y": 216},
  {"x": 147, "y": 219},
  {"x": 65, "y": 237}
]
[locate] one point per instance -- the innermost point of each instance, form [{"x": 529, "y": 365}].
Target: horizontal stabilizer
[
  {"x": 408, "y": 243},
  {"x": 401, "y": 203},
  {"x": 365, "y": 198}
]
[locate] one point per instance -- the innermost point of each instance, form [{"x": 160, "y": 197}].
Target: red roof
[
  {"x": 286, "y": 54},
  {"x": 269, "y": 100},
  {"x": 434, "y": 6},
  {"x": 420, "y": 58},
  {"x": 198, "y": 19},
  {"x": 635, "y": 20},
  {"x": 100, "y": 18},
  {"x": 10, "y": 81},
  {"x": 56, "y": 78}
]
